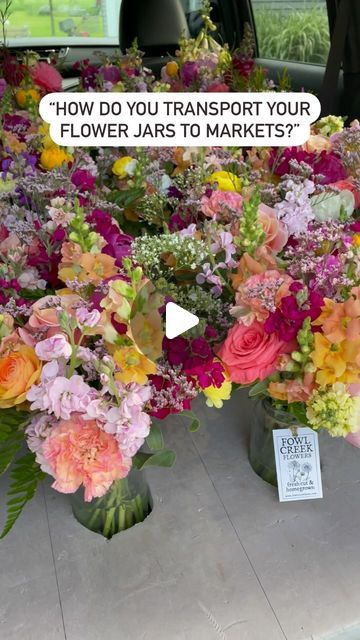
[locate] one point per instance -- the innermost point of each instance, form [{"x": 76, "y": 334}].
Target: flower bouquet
[{"x": 261, "y": 244}]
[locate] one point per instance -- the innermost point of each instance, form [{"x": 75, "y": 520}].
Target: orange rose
[{"x": 19, "y": 370}]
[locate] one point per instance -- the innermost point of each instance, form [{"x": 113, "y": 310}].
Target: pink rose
[
  {"x": 53, "y": 348},
  {"x": 276, "y": 232},
  {"x": 220, "y": 204},
  {"x": 46, "y": 77},
  {"x": 250, "y": 353}
]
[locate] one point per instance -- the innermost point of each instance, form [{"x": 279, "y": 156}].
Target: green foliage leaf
[
  {"x": 298, "y": 409},
  {"x": 258, "y": 389},
  {"x": 126, "y": 198},
  {"x": 25, "y": 475},
  {"x": 30, "y": 294},
  {"x": 155, "y": 439},
  {"x": 11, "y": 435},
  {"x": 165, "y": 458},
  {"x": 195, "y": 422}
]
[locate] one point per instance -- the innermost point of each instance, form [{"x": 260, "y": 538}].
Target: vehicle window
[
  {"x": 292, "y": 30},
  {"x": 76, "y": 22},
  {"x": 62, "y": 20}
]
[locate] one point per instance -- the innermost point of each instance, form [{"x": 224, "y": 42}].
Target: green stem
[{"x": 109, "y": 521}]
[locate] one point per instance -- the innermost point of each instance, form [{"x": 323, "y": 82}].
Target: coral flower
[
  {"x": 293, "y": 390},
  {"x": 79, "y": 453},
  {"x": 250, "y": 354},
  {"x": 341, "y": 321},
  {"x": 134, "y": 366},
  {"x": 90, "y": 268},
  {"x": 19, "y": 370}
]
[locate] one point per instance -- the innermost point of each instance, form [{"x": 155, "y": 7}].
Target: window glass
[
  {"x": 293, "y": 30},
  {"x": 75, "y": 21}
]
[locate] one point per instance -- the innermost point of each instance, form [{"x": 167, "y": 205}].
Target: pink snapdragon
[{"x": 53, "y": 348}]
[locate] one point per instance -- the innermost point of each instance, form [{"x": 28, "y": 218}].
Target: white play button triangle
[{"x": 178, "y": 320}]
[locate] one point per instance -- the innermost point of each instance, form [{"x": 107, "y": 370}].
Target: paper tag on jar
[{"x": 297, "y": 464}]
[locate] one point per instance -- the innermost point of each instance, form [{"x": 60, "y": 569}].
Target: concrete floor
[{"x": 219, "y": 558}]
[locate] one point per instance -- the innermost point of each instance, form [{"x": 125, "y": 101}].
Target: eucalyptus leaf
[
  {"x": 195, "y": 422},
  {"x": 155, "y": 439},
  {"x": 165, "y": 458}
]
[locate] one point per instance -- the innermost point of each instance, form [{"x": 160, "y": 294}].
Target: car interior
[{"x": 158, "y": 24}]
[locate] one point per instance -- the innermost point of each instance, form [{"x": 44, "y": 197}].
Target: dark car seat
[{"x": 157, "y": 25}]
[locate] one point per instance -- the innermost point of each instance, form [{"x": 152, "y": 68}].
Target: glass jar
[
  {"x": 265, "y": 419},
  {"x": 127, "y": 503}
]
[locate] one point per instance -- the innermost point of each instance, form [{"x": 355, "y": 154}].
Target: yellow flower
[
  {"x": 172, "y": 69},
  {"x": 133, "y": 365},
  {"x": 356, "y": 240},
  {"x": 46, "y": 141},
  {"x": 24, "y": 97},
  {"x": 216, "y": 395},
  {"x": 124, "y": 167},
  {"x": 54, "y": 157},
  {"x": 226, "y": 181},
  {"x": 147, "y": 332},
  {"x": 336, "y": 362}
]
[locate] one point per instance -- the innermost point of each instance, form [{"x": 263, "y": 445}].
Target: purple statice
[
  {"x": 172, "y": 391},
  {"x": 346, "y": 144},
  {"x": 295, "y": 210},
  {"x": 319, "y": 256}
]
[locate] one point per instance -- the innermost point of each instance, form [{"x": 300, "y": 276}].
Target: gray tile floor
[{"x": 219, "y": 558}]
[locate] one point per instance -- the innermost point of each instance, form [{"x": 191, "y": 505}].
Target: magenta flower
[
  {"x": 189, "y": 73},
  {"x": 83, "y": 179},
  {"x": 327, "y": 165},
  {"x": 288, "y": 319},
  {"x": 110, "y": 73}
]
